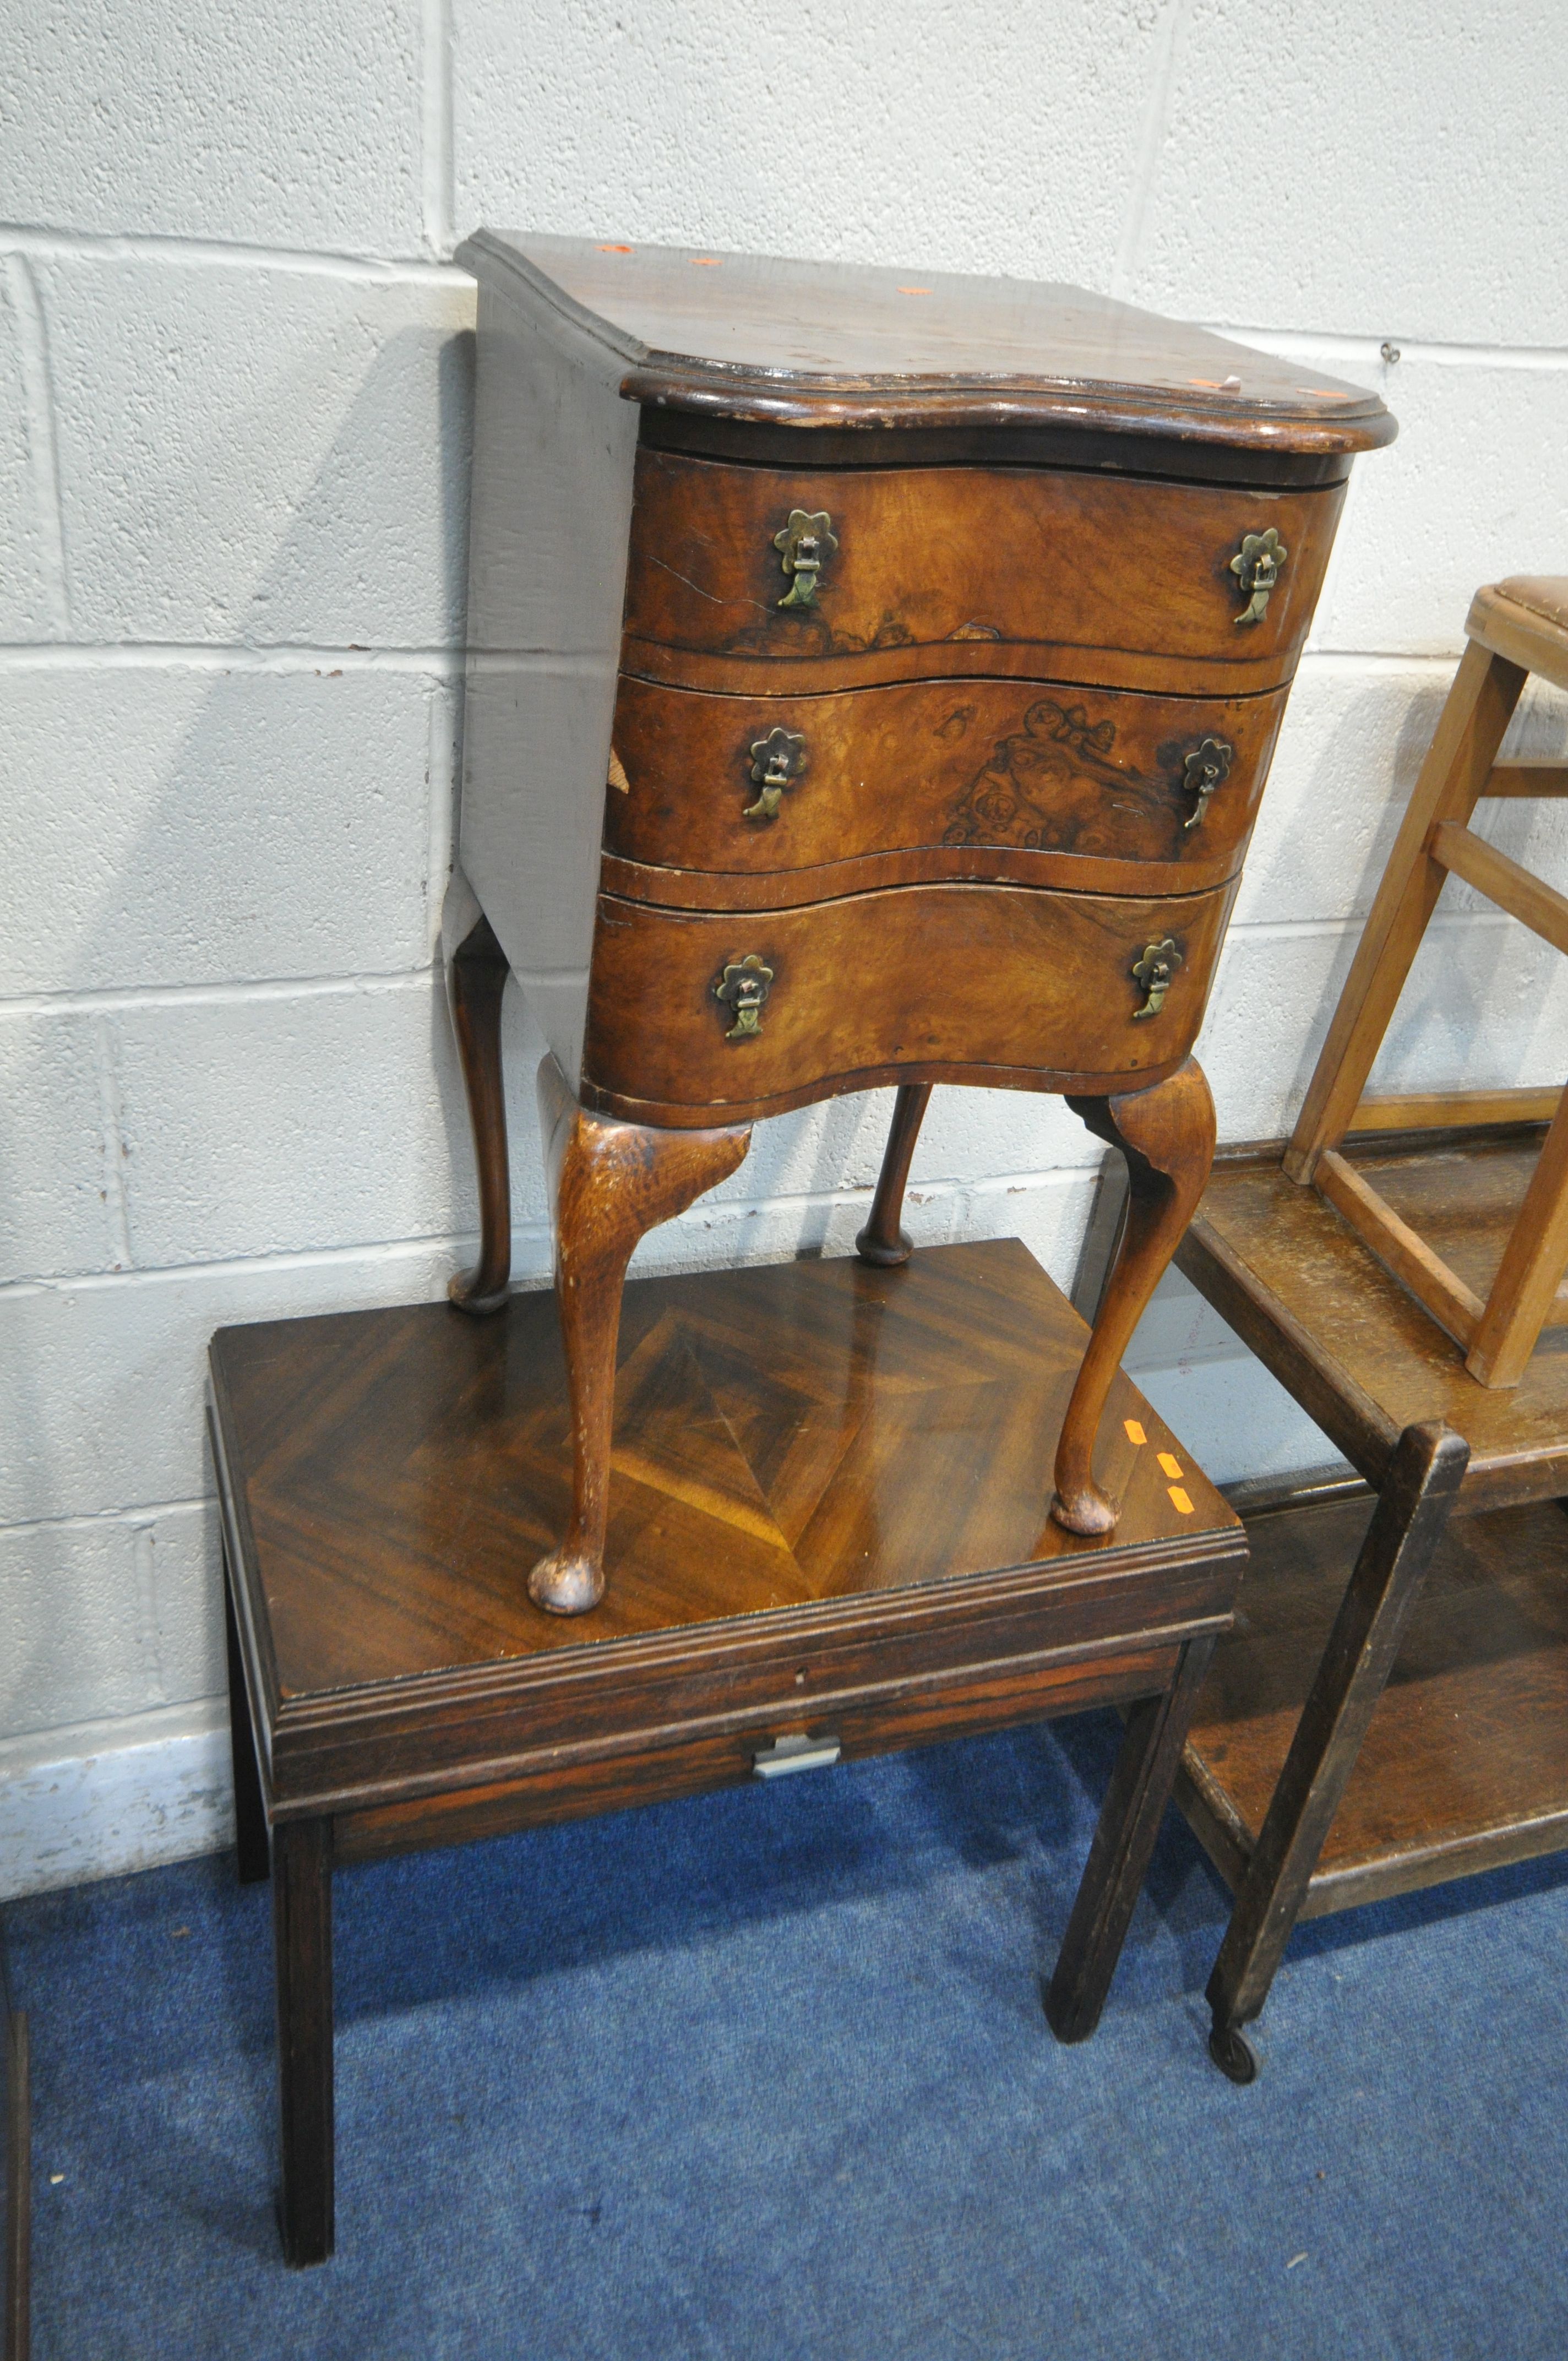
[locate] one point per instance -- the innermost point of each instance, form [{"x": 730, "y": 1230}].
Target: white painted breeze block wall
[{"x": 235, "y": 370}]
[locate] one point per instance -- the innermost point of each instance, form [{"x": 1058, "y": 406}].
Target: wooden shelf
[
  {"x": 1466, "y": 1764},
  {"x": 1347, "y": 1339}
]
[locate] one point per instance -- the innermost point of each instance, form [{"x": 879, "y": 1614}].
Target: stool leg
[
  {"x": 1119, "y": 1857},
  {"x": 881, "y": 1241},
  {"x": 249, "y": 1806},
  {"x": 1417, "y": 1499},
  {"x": 1476, "y": 714},
  {"x": 301, "y": 1936}
]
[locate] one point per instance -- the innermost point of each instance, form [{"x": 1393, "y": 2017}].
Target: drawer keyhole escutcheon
[
  {"x": 804, "y": 546},
  {"x": 777, "y": 761},
  {"x": 1207, "y": 767},
  {"x": 1153, "y": 972},
  {"x": 1257, "y": 566},
  {"x": 743, "y": 987}
]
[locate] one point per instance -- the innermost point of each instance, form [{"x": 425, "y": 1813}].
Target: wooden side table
[
  {"x": 873, "y": 679},
  {"x": 825, "y": 1537},
  {"x": 1267, "y": 1770}
]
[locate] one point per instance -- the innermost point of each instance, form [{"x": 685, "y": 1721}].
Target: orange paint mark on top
[
  {"x": 915, "y": 290},
  {"x": 1170, "y": 1467},
  {"x": 1135, "y": 1433},
  {"x": 617, "y": 249},
  {"x": 1178, "y": 1500},
  {"x": 706, "y": 263}
]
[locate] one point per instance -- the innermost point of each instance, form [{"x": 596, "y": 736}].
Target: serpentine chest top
[{"x": 872, "y": 678}]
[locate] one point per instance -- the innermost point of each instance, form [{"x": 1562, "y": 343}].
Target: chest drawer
[
  {"x": 746, "y": 577},
  {"x": 796, "y": 798},
  {"x": 692, "y": 1011}
]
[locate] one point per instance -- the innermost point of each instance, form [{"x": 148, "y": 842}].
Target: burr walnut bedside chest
[{"x": 873, "y": 679}]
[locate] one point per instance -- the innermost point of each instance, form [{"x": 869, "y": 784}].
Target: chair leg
[
  {"x": 610, "y": 1182},
  {"x": 249, "y": 1806},
  {"x": 1119, "y": 1858},
  {"x": 1167, "y": 1135},
  {"x": 1414, "y": 1505},
  {"x": 476, "y": 973},
  {"x": 1524, "y": 1290},
  {"x": 881, "y": 1241},
  {"x": 301, "y": 1939}
]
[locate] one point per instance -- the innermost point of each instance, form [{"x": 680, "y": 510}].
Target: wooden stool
[
  {"x": 1514, "y": 628},
  {"x": 827, "y": 1539}
]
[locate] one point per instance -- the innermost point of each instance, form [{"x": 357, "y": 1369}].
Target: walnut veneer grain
[
  {"x": 980, "y": 983},
  {"x": 982, "y": 779},
  {"x": 1056, "y": 575},
  {"x": 1000, "y": 563}
]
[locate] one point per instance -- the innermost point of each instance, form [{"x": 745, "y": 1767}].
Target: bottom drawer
[{"x": 693, "y": 1014}]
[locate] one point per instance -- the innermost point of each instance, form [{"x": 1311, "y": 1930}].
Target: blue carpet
[{"x": 765, "y": 2076}]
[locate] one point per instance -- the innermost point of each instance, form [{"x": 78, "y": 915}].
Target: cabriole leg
[
  {"x": 610, "y": 1182},
  {"x": 476, "y": 973},
  {"x": 881, "y": 1241},
  {"x": 1167, "y": 1135}
]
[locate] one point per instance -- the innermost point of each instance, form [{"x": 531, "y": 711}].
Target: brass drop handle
[
  {"x": 1257, "y": 566},
  {"x": 804, "y": 546},
  {"x": 743, "y": 987},
  {"x": 777, "y": 761},
  {"x": 1153, "y": 972},
  {"x": 1207, "y": 767}
]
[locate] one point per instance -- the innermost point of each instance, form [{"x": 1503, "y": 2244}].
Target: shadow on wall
[
  {"x": 259, "y": 827},
  {"x": 1487, "y": 1003}
]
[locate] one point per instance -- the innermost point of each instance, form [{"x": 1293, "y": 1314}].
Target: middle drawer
[{"x": 1109, "y": 791}]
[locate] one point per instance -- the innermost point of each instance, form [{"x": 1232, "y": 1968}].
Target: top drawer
[{"x": 923, "y": 573}]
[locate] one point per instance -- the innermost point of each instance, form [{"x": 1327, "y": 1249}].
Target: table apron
[{"x": 659, "y": 1763}]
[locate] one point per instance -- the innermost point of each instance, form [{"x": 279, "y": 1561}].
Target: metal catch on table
[
  {"x": 795, "y": 1752},
  {"x": 777, "y": 761},
  {"x": 804, "y": 546},
  {"x": 744, "y": 986},
  {"x": 1257, "y": 566}
]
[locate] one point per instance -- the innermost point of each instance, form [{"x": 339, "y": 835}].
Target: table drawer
[
  {"x": 913, "y": 573},
  {"x": 585, "y": 1780},
  {"x": 749, "y": 1013},
  {"x": 1095, "y": 790}
]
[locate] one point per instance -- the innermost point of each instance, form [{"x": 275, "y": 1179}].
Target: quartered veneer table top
[
  {"x": 829, "y": 1509},
  {"x": 1355, "y": 1349}
]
